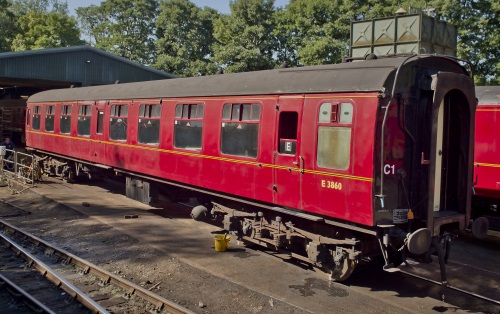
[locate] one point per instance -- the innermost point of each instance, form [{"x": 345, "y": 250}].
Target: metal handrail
[
  {"x": 17, "y": 168},
  {"x": 381, "y": 194}
]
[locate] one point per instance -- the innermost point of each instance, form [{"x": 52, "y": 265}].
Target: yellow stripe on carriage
[{"x": 199, "y": 155}]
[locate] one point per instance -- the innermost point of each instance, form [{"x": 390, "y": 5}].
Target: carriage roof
[{"x": 362, "y": 76}]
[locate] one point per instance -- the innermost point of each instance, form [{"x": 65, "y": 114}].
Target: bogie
[{"x": 336, "y": 256}]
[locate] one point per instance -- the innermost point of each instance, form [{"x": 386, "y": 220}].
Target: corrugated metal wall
[{"x": 85, "y": 65}]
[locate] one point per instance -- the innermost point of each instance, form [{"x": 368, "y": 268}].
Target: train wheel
[
  {"x": 343, "y": 270},
  {"x": 69, "y": 176},
  {"x": 199, "y": 213}
]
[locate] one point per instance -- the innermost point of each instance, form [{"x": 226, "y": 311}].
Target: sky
[{"x": 220, "y": 5}]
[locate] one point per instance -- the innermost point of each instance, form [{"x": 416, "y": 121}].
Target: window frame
[
  {"x": 119, "y": 114},
  {"x": 50, "y": 111},
  {"x": 85, "y": 113},
  {"x": 67, "y": 114},
  {"x": 288, "y": 124},
  {"x": 186, "y": 115},
  {"x": 36, "y": 113},
  {"x": 240, "y": 119},
  {"x": 335, "y": 118},
  {"x": 99, "y": 128},
  {"x": 149, "y": 115}
]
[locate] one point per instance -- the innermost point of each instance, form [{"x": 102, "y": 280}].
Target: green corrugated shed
[
  {"x": 78, "y": 66},
  {"x": 25, "y": 73}
]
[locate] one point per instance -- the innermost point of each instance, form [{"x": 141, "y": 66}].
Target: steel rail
[
  {"x": 87, "y": 267},
  {"x": 51, "y": 275},
  {"x": 482, "y": 297},
  {"x": 27, "y": 298}
]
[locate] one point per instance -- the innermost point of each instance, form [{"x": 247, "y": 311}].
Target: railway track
[
  {"x": 30, "y": 298},
  {"x": 21, "y": 275},
  {"x": 97, "y": 289},
  {"x": 475, "y": 282},
  {"x": 451, "y": 287}
]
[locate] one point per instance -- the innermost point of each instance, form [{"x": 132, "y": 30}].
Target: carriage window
[
  {"x": 118, "y": 122},
  {"x": 100, "y": 121},
  {"x": 288, "y": 132},
  {"x": 188, "y": 126},
  {"x": 334, "y": 135},
  {"x": 240, "y": 129},
  {"x": 346, "y": 113},
  {"x": 36, "y": 118},
  {"x": 49, "y": 118},
  {"x": 325, "y": 113},
  {"x": 84, "y": 115},
  {"x": 149, "y": 124},
  {"x": 65, "y": 120}
]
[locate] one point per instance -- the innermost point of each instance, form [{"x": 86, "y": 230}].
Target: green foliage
[
  {"x": 21, "y": 7},
  {"x": 479, "y": 40},
  {"x": 185, "y": 38},
  {"x": 7, "y": 25},
  {"x": 92, "y": 21},
  {"x": 313, "y": 31},
  {"x": 39, "y": 27},
  {"x": 123, "y": 27},
  {"x": 244, "y": 39}
]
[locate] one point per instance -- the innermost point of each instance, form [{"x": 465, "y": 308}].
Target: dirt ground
[
  {"x": 165, "y": 249},
  {"x": 125, "y": 256}
]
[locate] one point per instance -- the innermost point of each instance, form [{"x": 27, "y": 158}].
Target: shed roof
[{"x": 80, "y": 65}]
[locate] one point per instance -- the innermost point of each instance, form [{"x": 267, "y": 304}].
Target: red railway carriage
[
  {"x": 486, "y": 201},
  {"x": 12, "y": 118},
  {"x": 333, "y": 163}
]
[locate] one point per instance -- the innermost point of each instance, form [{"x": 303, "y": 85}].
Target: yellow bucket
[{"x": 221, "y": 242}]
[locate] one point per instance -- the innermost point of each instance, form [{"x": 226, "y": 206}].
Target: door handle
[
  {"x": 301, "y": 164},
  {"x": 423, "y": 161}
]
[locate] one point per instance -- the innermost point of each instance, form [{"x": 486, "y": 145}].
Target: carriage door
[
  {"x": 98, "y": 136},
  {"x": 288, "y": 162},
  {"x": 451, "y": 151}
]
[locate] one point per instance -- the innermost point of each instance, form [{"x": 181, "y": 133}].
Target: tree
[
  {"x": 123, "y": 27},
  {"x": 93, "y": 22},
  {"x": 21, "y": 7},
  {"x": 39, "y": 27},
  {"x": 478, "y": 37},
  {"x": 244, "y": 39},
  {"x": 316, "y": 31},
  {"x": 185, "y": 38},
  {"x": 7, "y": 25}
]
